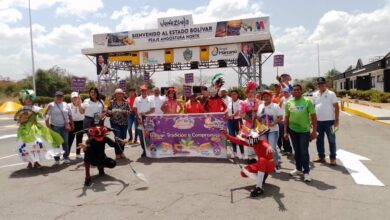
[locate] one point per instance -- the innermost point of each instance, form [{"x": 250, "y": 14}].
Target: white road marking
[
  {"x": 359, "y": 172},
  {"x": 12, "y": 165},
  {"x": 19, "y": 164},
  {"x": 12, "y": 155},
  {"x": 347, "y": 113},
  {"x": 7, "y": 136}
]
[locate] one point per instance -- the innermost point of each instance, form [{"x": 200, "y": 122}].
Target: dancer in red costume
[
  {"x": 264, "y": 152},
  {"x": 215, "y": 103}
]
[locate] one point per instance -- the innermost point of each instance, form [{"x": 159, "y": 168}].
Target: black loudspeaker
[
  {"x": 222, "y": 63},
  {"x": 196, "y": 89},
  {"x": 167, "y": 66},
  {"x": 194, "y": 65}
]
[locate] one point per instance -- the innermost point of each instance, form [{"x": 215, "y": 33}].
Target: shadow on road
[
  {"x": 270, "y": 191},
  {"x": 340, "y": 169},
  {"x": 99, "y": 185},
  {"x": 43, "y": 171},
  {"x": 320, "y": 185},
  {"x": 123, "y": 162}
]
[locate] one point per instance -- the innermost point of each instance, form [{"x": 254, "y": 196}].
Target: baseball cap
[
  {"x": 286, "y": 89},
  {"x": 143, "y": 87},
  {"x": 266, "y": 92},
  {"x": 321, "y": 80},
  {"x": 59, "y": 93},
  {"x": 74, "y": 94}
]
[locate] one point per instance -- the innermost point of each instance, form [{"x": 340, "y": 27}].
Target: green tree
[
  {"x": 136, "y": 82},
  {"x": 329, "y": 77}
]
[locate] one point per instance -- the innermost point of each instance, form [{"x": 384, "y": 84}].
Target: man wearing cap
[
  {"x": 59, "y": 118},
  {"x": 77, "y": 108},
  {"x": 223, "y": 93},
  {"x": 327, "y": 109},
  {"x": 158, "y": 100},
  {"x": 142, "y": 106}
]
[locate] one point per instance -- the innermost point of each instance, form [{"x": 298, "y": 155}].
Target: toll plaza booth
[{"x": 178, "y": 44}]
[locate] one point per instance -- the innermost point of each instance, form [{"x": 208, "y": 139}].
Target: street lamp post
[
  {"x": 318, "y": 59},
  {"x": 32, "y": 49}
]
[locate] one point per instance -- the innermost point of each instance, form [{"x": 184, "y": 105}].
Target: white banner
[{"x": 181, "y": 29}]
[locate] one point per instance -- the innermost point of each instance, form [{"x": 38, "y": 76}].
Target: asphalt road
[{"x": 198, "y": 188}]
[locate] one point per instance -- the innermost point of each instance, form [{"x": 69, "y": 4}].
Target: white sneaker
[
  {"x": 306, "y": 177},
  {"x": 78, "y": 156},
  {"x": 295, "y": 172},
  {"x": 66, "y": 161},
  {"x": 277, "y": 169}
]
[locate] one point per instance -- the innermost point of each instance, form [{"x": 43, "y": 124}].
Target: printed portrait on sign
[
  {"x": 245, "y": 56},
  {"x": 102, "y": 64}
]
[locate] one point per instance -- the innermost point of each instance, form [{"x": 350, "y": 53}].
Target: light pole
[
  {"x": 32, "y": 49},
  {"x": 318, "y": 59}
]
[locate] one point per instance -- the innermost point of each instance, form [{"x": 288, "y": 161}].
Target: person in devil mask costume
[
  {"x": 94, "y": 151},
  {"x": 264, "y": 152}
]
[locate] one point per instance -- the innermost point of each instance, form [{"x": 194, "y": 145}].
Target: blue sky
[{"x": 346, "y": 30}]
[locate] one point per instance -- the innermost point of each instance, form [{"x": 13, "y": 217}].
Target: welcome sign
[{"x": 181, "y": 28}]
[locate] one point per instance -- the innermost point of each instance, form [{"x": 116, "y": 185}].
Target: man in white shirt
[
  {"x": 224, "y": 95},
  {"x": 327, "y": 109},
  {"x": 142, "y": 106},
  {"x": 157, "y": 99}
]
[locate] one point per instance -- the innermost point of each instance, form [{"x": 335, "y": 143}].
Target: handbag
[{"x": 67, "y": 126}]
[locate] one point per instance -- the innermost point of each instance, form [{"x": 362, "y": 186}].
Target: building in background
[{"x": 375, "y": 75}]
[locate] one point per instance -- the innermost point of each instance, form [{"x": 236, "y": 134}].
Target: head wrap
[
  {"x": 218, "y": 80},
  {"x": 26, "y": 94}
]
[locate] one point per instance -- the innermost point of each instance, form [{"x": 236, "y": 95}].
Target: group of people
[
  {"x": 277, "y": 118},
  {"x": 288, "y": 117}
]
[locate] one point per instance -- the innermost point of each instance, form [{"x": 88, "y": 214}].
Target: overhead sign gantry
[{"x": 179, "y": 44}]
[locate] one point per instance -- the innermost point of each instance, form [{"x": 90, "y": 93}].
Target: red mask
[{"x": 98, "y": 132}]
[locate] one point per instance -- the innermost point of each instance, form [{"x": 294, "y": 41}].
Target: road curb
[
  {"x": 363, "y": 114},
  {"x": 359, "y": 113}
]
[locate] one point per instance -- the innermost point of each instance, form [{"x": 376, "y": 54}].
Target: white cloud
[
  {"x": 72, "y": 38},
  {"x": 15, "y": 38},
  {"x": 343, "y": 38},
  {"x": 10, "y": 15},
  {"x": 35, "y": 4},
  {"x": 215, "y": 10},
  {"x": 80, "y": 8}
]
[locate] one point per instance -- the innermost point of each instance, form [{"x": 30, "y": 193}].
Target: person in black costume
[{"x": 94, "y": 151}]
